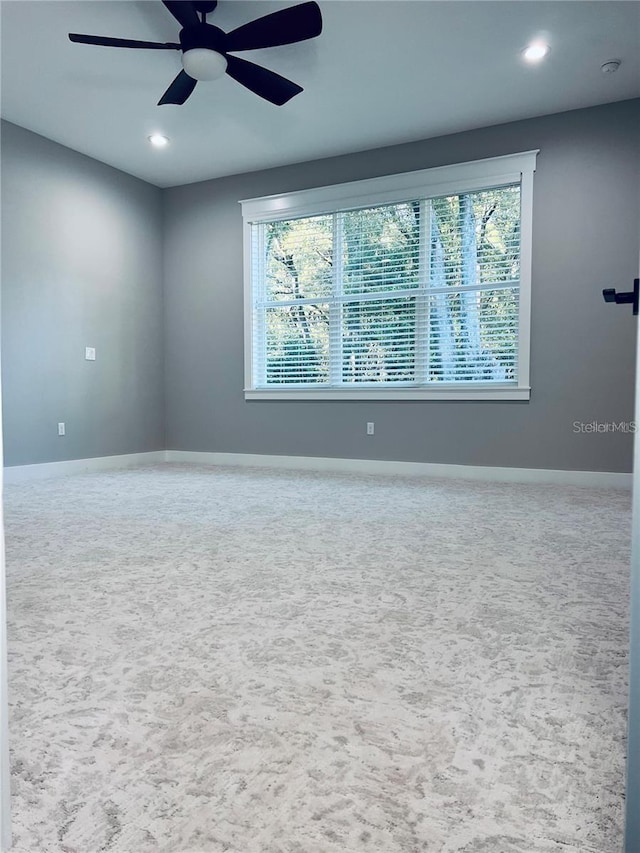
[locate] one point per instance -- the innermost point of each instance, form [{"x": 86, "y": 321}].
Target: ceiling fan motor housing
[{"x": 203, "y": 35}]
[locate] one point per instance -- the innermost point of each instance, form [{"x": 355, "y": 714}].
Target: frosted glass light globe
[{"x": 201, "y": 63}]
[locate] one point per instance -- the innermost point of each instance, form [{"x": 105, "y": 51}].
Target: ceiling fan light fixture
[{"x": 202, "y": 63}]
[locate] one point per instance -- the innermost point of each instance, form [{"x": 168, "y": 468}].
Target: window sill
[{"x": 505, "y": 393}]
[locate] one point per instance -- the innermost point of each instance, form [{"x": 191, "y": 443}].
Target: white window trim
[{"x": 389, "y": 189}]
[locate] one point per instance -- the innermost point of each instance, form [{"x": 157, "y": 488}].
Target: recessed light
[
  {"x": 536, "y": 51},
  {"x": 158, "y": 140}
]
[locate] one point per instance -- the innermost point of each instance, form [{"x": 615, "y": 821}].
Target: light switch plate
[{"x": 90, "y": 353}]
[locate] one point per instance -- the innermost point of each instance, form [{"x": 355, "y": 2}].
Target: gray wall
[
  {"x": 83, "y": 252},
  {"x": 81, "y": 266},
  {"x": 586, "y": 214}
]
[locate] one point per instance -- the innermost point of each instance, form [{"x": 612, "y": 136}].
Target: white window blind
[{"x": 423, "y": 293}]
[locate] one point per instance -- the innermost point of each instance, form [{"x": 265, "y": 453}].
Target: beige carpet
[{"x": 238, "y": 660}]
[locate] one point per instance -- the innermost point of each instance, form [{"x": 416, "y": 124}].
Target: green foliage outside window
[{"x": 418, "y": 292}]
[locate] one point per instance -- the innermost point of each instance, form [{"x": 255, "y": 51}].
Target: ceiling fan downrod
[{"x": 205, "y": 7}]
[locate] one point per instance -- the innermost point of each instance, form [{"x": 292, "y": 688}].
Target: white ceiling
[{"x": 382, "y": 72}]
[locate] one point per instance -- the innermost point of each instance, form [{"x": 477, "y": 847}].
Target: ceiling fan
[{"x": 206, "y": 49}]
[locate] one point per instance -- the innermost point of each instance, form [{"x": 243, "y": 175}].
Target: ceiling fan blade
[
  {"x": 269, "y": 85},
  {"x": 179, "y": 90},
  {"x": 183, "y": 11},
  {"x": 106, "y": 41},
  {"x": 287, "y": 26}
]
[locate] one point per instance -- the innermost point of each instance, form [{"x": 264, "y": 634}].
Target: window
[{"x": 411, "y": 286}]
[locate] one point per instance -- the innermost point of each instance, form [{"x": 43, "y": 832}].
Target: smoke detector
[{"x": 611, "y": 66}]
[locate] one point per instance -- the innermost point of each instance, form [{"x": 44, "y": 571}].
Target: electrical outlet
[
  {"x": 90, "y": 353},
  {"x": 370, "y": 428},
  {"x": 61, "y": 429}
]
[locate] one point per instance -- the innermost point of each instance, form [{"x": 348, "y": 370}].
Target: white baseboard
[
  {"x": 44, "y": 470},
  {"x": 600, "y": 479},
  {"x": 597, "y": 479}
]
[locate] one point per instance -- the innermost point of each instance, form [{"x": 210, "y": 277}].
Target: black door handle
[{"x": 632, "y": 296}]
